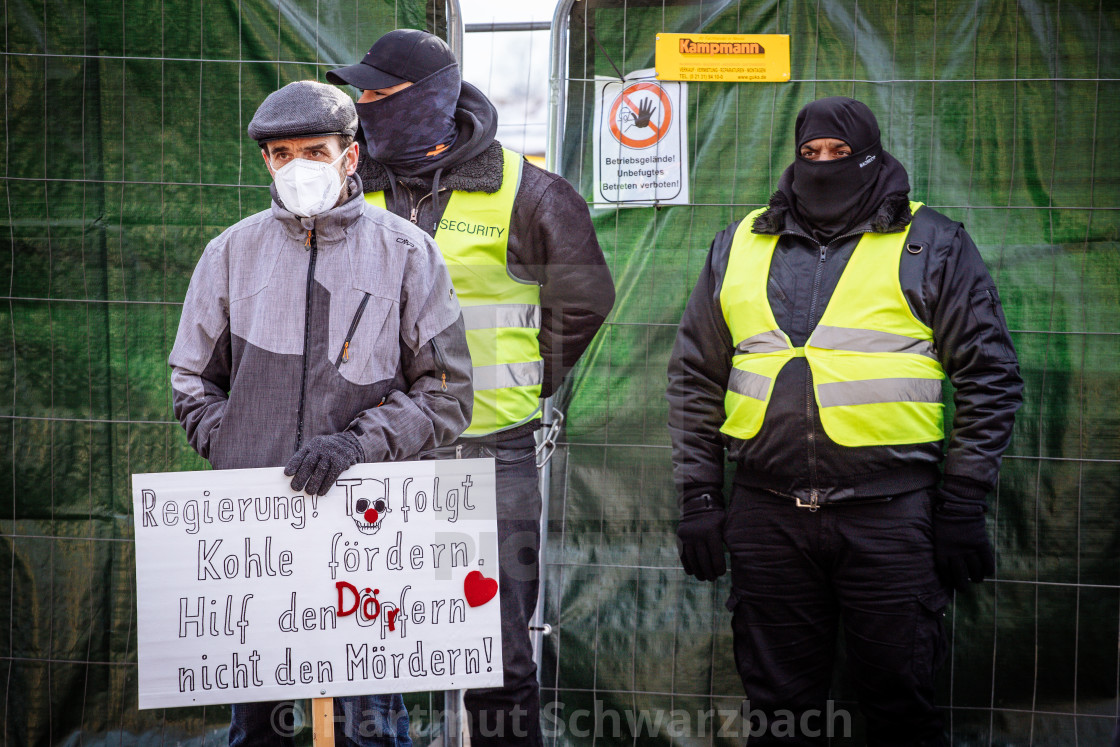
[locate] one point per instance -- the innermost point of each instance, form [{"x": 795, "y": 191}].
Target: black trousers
[
  {"x": 796, "y": 575},
  {"x": 510, "y": 715}
]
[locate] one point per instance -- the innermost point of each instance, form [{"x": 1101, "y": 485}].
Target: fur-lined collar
[
  {"x": 483, "y": 173},
  {"x": 893, "y": 216}
]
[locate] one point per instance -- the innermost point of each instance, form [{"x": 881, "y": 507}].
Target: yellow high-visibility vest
[
  {"x": 502, "y": 314},
  {"x": 876, "y": 377}
]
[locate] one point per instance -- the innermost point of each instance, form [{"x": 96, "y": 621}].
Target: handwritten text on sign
[{"x": 248, "y": 591}]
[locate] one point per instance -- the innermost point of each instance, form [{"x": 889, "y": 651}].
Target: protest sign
[{"x": 248, "y": 591}]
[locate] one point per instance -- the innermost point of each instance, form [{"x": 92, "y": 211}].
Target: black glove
[
  {"x": 321, "y": 460},
  {"x": 700, "y": 534},
  {"x": 961, "y": 547}
]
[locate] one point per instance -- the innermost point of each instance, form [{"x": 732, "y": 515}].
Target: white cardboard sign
[
  {"x": 640, "y": 141},
  {"x": 248, "y": 591}
]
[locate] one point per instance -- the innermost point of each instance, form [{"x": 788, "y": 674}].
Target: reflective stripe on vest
[
  {"x": 877, "y": 380},
  {"x": 502, "y": 315}
]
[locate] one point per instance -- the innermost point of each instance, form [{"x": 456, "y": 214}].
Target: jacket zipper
[
  {"x": 344, "y": 354},
  {"x": 814, "y": 496},
  {"x": 414, "y": 207},
  {"x": 314, "y": 244},
  {"x": 814, "y": 492}
]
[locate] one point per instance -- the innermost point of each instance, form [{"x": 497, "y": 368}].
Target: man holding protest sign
[{"x": 317, "y": 334}]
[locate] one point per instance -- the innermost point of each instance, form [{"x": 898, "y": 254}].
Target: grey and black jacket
[
  {"x": 551, "y": 239},
  {"x": 947, "y": 287},
  {"x": 298, "y": 327}
]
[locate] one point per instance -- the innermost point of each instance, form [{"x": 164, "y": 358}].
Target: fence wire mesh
[
  {"x": 1002, "y": 113},
  {"x": 125, "y": 153}
]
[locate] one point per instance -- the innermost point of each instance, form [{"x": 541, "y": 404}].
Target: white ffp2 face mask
[{"x": 308, "y": 188}]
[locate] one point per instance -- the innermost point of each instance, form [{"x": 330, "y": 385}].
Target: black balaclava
[
  {"x": 411, "y": 129},
  {"x": 830, "y": 198}
]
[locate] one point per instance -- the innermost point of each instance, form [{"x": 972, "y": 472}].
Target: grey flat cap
[{"x": 305, "y": 108}]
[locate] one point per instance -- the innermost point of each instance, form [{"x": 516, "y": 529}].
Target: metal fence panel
[
  {"x": 124, "y": 153},
  {"x": 1002, "y": 112}
]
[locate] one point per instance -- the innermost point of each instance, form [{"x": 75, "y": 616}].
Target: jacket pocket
[
  {"x": 344, "y": 353},
  {"x": 441, "y": 363},
  {"x": 741, "y": 633},
  {"x": 507, "y": 456},
  {"x": 930, "y": 643},
  {"x": 987, "y": 314},
  {"x": 364, "y": 344},
  {"x": 212, "y": 451}
]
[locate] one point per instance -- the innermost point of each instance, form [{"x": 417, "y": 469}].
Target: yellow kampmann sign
[{"x": 736, "y": 58}]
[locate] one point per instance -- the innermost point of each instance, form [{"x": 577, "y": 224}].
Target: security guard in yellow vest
[
  {"x": 534, "y": 288},
  {"x": 502, "y": 314},
  {"x": 813, "y": 352}
]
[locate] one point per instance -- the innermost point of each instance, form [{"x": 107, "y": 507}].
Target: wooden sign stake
[{"x": 322, "y": 722}]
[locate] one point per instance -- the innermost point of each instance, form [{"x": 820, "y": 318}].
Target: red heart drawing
[{"x": 478, "y": 589}]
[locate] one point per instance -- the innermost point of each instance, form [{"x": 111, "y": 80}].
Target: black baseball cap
[{"x": 404, "y": 55}]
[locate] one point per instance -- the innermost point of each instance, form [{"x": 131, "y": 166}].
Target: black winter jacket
[
  {"x": 948, "y": 288},
  {"x": 551, "y": 242}
]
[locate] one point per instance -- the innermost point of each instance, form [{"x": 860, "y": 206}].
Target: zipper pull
[
  {"x": 308, "y": 241},
  {"x": 443, "y": 381},
  {"x": 458, "y": 451},
  {"x": 415, "y": 209},
  {"x": 346, "y": 352},
  {"x": 381, "y": 402},
  {"x": 814, "y": 500},
  {"x": 823, "y": 249}
]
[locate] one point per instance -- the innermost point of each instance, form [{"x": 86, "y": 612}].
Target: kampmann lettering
[
  {"x": 640, "y": 161},
  {"x": 687, "y": 46}
]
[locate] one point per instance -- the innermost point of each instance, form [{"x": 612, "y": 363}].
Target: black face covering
[
  {"x": 413, "y": 127},
  {"x": 830, "y": 198}
]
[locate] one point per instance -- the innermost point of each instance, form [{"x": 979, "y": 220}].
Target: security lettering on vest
[
  {"x": 877, "y": 380},
  {"x": 502, "y": 315},
  {"x": 474, "y": 229}
]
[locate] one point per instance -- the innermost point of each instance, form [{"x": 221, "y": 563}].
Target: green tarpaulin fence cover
[
  {"x": 124, "y": 153},
  {"x": 1004, "y": 114}
]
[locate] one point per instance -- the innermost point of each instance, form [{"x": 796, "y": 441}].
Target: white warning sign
[{"x": 641, "y": 134}]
